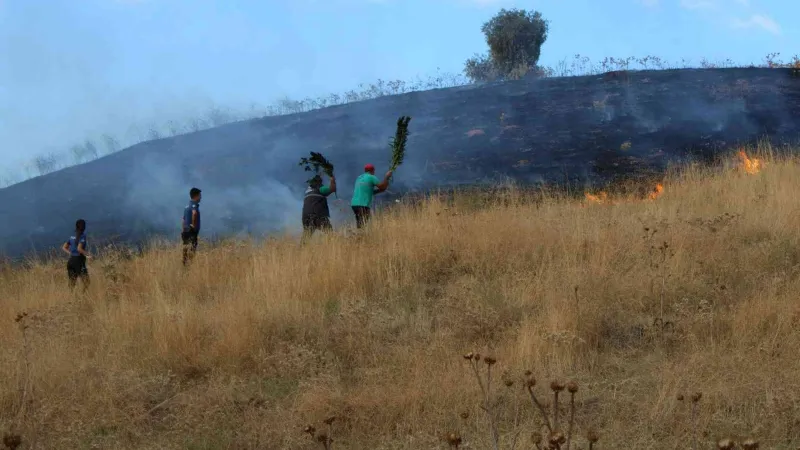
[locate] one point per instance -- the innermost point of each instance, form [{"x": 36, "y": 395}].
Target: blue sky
[{"x": 72, "y": 69}]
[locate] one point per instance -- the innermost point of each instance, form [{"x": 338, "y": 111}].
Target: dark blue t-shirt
[
  {"x": 73, "y": 244},
  {"x": 187, "y": 215}
]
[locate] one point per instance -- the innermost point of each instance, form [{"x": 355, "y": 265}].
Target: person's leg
[
  {"x": 308, "y": 229},
  {"x": 84, "y": 275},
  {"x": 325, "y": 224},
  {"x": 185, "y": 242},
  {"x": 367, "y": 215},
  {"x": 72, "y": 274},
  {"x": 359, "y": 212}
]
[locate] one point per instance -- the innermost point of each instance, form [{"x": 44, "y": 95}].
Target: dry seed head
[
  {"x": 530, "y": 382},
  {"x": 528, "y": 373},
  {"x": 572, "y": 387},
  {"x": 477, "y": 357},
  {"x": 750, "y": 444},
  {"x": 556, "y": 386},
  {"x": 322, "y": 437},
  {"x": 309, "y": 429},
  {"x": 556, "y": 438},
  {"x": 12, "y": 441},
  {"x": 469, "y": 356},
  {"x": 696, "y": 397},
  {"x": 465, "y": 415},
  {"x": 330, "y": 420},
  {"x": 489, "y": 360},
  {"x": 726, "y": 444},
  {"x": 536, "y": 438},
  {"x": 508, "y": 383},
  {"x": 592, "y": 436},
  {"x": 680, "y": 397},
  {"x": 454, "y": 439}
]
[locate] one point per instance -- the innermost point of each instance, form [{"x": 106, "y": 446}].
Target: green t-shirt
[
  {"x": 325, "y": 190},
  {"x": 364, "y": 189}
]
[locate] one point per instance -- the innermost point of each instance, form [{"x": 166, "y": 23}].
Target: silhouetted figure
[
  {"x": 191, "y": 225},
  {"x": 367, "y": 185},
  {"x": 77, "y": 249},
  {"x": 316, "y": 215}
]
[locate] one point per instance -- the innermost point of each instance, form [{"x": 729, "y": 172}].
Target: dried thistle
[
  {"x": 680, "y": 397},
  {"x": 750, "y": 444},
  {"x": 572, "y": 387},
  {"x": 454, "y": 440},
  {"x": 556, "y": 439},
  {"x": 310, "y": 430},
  {"x": 696, "y": 397},
  {"x": 508, "y": 383},
  {"x": 329, "y": 420},
  {"x": 592, "y": 437},
  {"x": 556, "y": 386},
  {"x": 469, "y": 356},
  {"x": 726, "y": 444},
  {"x": 465, "y": 415},
  {"x": 12, "y": 441},
  {"x": 489, "y": 360}
]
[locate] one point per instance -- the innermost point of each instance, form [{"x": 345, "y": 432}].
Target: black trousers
[
  {"x": 313, "y": 223},
  {"x": 362, "y": 215},
  {"x": 76, "y": 268},
  {"x": 189, "y": 239}
]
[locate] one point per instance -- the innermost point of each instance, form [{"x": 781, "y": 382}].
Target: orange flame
[
  {"x": 601, "y": 197},
  {"x": 750, "y": 166},
  {"x": 656, "y": 192}
]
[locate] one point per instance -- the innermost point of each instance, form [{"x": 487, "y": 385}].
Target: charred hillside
[{"x": 582, "y": 129}]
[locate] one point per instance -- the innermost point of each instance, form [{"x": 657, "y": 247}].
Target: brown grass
[{"x": 255, "y": 342}]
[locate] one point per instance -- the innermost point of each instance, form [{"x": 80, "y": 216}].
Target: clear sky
[{"x": 71, "y": 69}]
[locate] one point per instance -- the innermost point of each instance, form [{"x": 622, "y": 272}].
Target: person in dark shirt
[
  {"x": 316, "y": 215},
  {"x": 77, "y": 249},
  {"x": 190, "y": 226}
]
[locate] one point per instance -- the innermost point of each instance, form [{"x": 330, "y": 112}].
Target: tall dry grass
[{"x": 254, "y": 342}]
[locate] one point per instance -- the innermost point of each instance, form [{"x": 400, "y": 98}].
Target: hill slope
[
  {"x": 580, "y": 128},
  {"x": 253, "y": 343}
]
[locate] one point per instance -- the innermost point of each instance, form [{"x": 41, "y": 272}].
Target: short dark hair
[{"x": 194, "y": 192}]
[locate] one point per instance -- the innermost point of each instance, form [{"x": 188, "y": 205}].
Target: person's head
[
  {"x": 80, "y": 226},
  {"x": 194, "y": 194},
  {"x": 369, "y": 168},
  {"x": 315, "y": 182}
]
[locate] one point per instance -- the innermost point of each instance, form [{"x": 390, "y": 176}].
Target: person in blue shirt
[
  {"x": 77, "y": 249},
  {"x": 367, "y": 185},
  {"x": 190, "y": 226}
]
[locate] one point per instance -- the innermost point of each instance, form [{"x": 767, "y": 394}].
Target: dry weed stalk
[
  {"x": 25, "y": 388},
  {"x": 473, "y": 359},
  {"x": 555, "y": 439}
]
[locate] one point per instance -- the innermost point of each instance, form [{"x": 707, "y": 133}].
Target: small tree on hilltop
[{"x": 515, "y": 39}]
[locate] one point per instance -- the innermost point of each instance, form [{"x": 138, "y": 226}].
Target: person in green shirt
[{"x": 367, "y": 185}]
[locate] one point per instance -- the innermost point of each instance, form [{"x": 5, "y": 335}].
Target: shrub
[{"x": 515, "y": 39}]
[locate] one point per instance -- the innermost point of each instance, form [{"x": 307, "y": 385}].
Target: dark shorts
[
  {"x": 362, "y": 215},
  {"x": 313, "y": 223},
  {"x": 189, "y": 239},
  {"x": 76, "y": 267}
]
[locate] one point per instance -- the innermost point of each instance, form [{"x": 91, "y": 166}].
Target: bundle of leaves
[
  {"x": 317, "y": 164},
  {"x": 399, "y": 142}
]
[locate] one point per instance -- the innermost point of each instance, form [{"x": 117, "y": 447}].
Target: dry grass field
[{"x": 639, "y": 301}]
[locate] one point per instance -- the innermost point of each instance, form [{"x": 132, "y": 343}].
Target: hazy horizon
[{"x": 78, "y": 71}]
